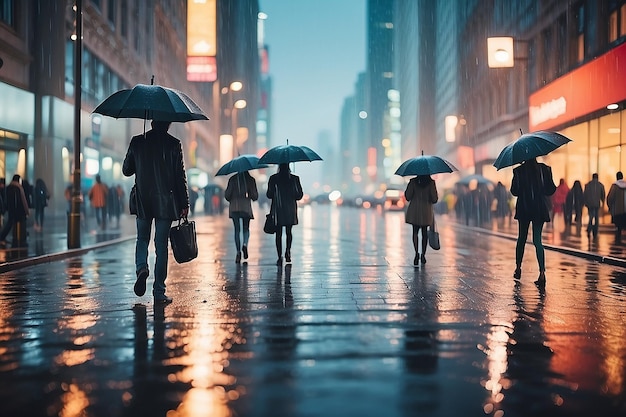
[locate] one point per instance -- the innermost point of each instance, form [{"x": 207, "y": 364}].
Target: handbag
[
  {"x": 132, "y": 200},
  {"x": 433, "y": 237},
  {"x": 270, "y": 223},
  {"x": 183, "y": 239}
]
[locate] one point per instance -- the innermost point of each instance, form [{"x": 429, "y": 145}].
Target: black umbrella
[
  {"x": 475, "y": 179},
  {"x": 529, "y": 146},
  {"x": 151, "y": 102}
]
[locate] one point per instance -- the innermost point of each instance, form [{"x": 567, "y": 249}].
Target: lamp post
[{"x": 73, "y": 221}]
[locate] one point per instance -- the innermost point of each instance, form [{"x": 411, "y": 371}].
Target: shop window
[
  {"x": 613, "y": 23},
  {"x": 622, "y": 20}
]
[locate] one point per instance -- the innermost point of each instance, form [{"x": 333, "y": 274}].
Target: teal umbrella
[
  {"x": 241, "y": 163},
  {"x": 284, "y": 154},
  {"x": 424, "y": 165},
  {"x": 529, "y": 146},
  {"x": 151, "y": 102}
]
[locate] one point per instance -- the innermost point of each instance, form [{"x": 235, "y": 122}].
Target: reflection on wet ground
[{"x": 350, "y": 328}]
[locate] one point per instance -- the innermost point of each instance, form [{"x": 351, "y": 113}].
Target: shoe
[
  {"x": 279, "y": 261},
  {"x": 287, "y": 257},
  {"x": 416, "y": 260},
  {"x": 238, "y": 257},
  {"x": 423, "y": 259},
  {"x": 140, "y": 284},
  {"x": 244, "y": 249},
  {"x": 541, "y": 281},
  {"x": 518, "y": 273},
  {"x": 163, "y": 300}
]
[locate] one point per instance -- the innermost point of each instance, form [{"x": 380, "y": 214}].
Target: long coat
[
  {"x": 17, "y": 205},
  {"x": 156, "y": 160},
  {"x": 421, "y": 193},
  {"x": 240, "y": 192},
  {"x": 616, "y": 201},
  {"x": 285, "y": 191},
  {"x": 532, "y": 184}
]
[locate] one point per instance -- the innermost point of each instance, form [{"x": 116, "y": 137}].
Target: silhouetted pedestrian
[
  {"x": 594, "y": 199},
  {"x": 240, "y": 192},
  {"x": 421, "y": 193},
  {"x": 616, "y": 202},
  {"x": 17, "y": 208},
  {"x": 40, "y": 201},
  {"x": 98, "y": 198},
  {"x": 532, "y": 184},
  {"x": 574, "y": 206},
  {"x": 284, "y": 189}
]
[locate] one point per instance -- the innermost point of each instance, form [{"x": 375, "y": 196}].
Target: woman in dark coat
[
  {"x": 421, "y": 193},
  {"x": 532, "y": 183},
  {"x": 284, "y": 189}
]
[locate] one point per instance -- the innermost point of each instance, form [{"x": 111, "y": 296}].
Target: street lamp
[
  {"x": 237, "y": 105},
  {"x": 501, "y": 52}
]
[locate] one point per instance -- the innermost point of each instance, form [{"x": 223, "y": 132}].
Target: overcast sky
[{"x": 316, "y": 51}]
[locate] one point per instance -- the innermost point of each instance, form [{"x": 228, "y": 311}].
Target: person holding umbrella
[
  {"x": 284, "y": 189},
  {"x": 156, "y": 160},
  {"x": 421, "y": 193},
  {"x": 240, "y": 192},
  {"x": 532, "y": 184}
]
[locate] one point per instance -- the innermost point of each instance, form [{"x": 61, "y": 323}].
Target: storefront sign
[{"x": 580, "y": 92}]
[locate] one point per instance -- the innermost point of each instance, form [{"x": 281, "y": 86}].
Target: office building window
[
  {"x": 580, "y": 33},
  {"x": 7, "y": 12}
]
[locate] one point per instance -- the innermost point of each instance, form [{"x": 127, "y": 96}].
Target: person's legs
[
  {"x": 539, "y": 250},
  {"x": 289, "y": 239},
  {"x": 237, "y": 225},
  {"x": 416, "y": 230},
  {"x": 246, "y": 236},
  {"x": 279, "y": 243},
  {"x": 144, "y": 229},
  {"x": 424, "y": 231},
  {"x": 522, "y": 235},
  {"x": 161, "y": 236}
]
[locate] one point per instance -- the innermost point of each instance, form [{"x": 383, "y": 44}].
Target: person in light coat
[
  {"x": 421, "y": 193},
  {"x": 617, "y": 206},
  {"x": 240, "y": 192}
]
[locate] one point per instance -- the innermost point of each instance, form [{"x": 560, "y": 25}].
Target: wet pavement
[{"x": 350, "y": 328}]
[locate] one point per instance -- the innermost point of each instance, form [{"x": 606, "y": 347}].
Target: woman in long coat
[
  {"x": 284, "y": 189},
  {"x": 240, "y": 192},
  {"x": 421, "y": 193},
  {"x": 532, "y": 184}
]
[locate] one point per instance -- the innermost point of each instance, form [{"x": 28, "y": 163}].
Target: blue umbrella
[
  {"x": 241, "y": 163},
  {"x": 151, "y": 102},
  {"x": 284, "y": 154},
  {"x": 424, "y": 165},
  {"x": 529, "y": 146}
]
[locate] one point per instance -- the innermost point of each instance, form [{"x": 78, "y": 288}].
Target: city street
[{"x": 350, "y": 328}]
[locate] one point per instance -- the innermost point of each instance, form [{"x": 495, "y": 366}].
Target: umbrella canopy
[
  {"x": 424, "y": 165},
  {"x": 241, "y": 163},
  {"x": 475, "y": 179},
  {"x": 529, "y": 146},
  {"x": 284, "y": 154},
  {"x": 151, "y": 102}
]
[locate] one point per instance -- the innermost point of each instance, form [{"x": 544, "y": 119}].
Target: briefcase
[{"x": 183, "y": 240}]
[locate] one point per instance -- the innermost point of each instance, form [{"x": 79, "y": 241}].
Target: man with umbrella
[{"x": 156, "y": 160}]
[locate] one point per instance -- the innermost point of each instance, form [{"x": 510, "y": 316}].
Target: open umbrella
[
  {"x": 240, "y": 164},
  {"x": 151, "y": 102},
  {"x": 475, "y": 179},
  {"x": 529, "y": 146},
  {"x": 284, "y": 154},
  {"x": 424, "y": 165}
]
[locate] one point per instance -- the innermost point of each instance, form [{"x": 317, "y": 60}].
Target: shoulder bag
[{"x": 433, "y": 236}]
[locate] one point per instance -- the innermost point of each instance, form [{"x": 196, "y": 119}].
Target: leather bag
[
  {"x": 433, "y": 237},
  {"x": 183, "y": 240}
]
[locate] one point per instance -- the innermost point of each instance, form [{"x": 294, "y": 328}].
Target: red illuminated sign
[{"x": 580, "y": 92}]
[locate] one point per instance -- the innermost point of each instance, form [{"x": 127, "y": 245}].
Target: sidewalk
[{"x": 51, "y": 244}]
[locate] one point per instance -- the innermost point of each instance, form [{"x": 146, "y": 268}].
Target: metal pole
[{"x": 73, "y": 221}]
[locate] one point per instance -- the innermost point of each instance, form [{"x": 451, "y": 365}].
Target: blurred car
[{"x": 394, "y": 200}]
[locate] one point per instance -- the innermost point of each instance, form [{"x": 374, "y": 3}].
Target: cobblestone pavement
[{"x": 350, "y": 328}]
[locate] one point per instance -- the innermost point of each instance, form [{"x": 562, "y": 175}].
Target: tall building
[{"x": 124, "y": 43}]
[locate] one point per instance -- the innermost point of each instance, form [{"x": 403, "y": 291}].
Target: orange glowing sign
[{"x": 201, "y": 28}]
